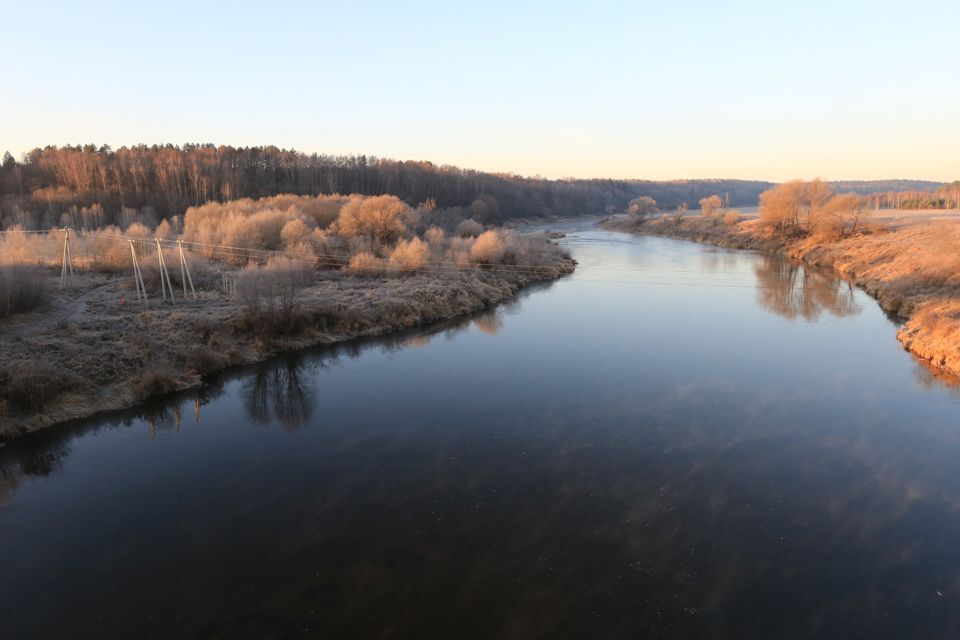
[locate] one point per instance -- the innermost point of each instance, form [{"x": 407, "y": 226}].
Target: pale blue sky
[{"x": 656, "y": 90}]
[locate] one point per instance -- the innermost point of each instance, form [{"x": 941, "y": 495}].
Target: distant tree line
[
  {"x": 944, "y": 197},
  {"x": 903, "y": 194},
  {"x": 162, "y": 181}
]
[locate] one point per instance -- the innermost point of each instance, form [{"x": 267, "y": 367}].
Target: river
[{"x": 675, "y": 441}]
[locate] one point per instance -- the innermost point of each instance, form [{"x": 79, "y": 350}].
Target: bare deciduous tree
[
  {"x": 797, "y": 205},
  {"x": 843, "y": 214},
  {"x": 780, "y": 206},
  {"x": 814, "y": 197},
  {"x": 642, "y": 207},
  {"x": 710, "y": 204},
  {"x": 380, "y": 218}
]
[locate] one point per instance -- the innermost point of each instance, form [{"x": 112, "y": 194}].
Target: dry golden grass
[
  {"x": 933, "y": 333},
  {"x": 155, "y": 382},
  {"x": 731, "y": 218},
  {"x": 746, "y": 234},
  {"x": 22, "y": 288},
  {"x": 27, "y": 386},
  {"x": 902, "y": 267}
]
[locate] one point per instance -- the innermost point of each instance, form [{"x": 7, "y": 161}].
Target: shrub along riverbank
[
  {"x": 270, "y": 275},
  {"x": 88, "y": 352},
  {"x": 913, "y": 270}
]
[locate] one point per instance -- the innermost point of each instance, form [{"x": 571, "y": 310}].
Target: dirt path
[{"x": 67, "y": 307}]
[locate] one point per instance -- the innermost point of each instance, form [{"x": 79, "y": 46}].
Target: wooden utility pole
[
  {"x": 185, "y": 273},
  {"x": 164, "y": 274},
  {"x": 67, "y": 260},
  {"x": 138, "y": 275}
]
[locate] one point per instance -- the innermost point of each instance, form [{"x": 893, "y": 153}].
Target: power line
[
  {"x": 324, "y": 259},
  {"x": 628, "y": 275},
  {"x": 249, "y": 252},
  {"x": 327, "y": 259}
]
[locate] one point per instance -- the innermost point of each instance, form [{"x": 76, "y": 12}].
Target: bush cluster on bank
[
  {"x": 797, "y": 207},
  {"x": 355, "y": 234}
]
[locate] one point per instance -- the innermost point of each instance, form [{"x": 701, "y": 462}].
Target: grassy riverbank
[
  {"x": 88, "y": 350},
  {"x": 274, "y": 274},
  {"x": 911, "y": 266}
]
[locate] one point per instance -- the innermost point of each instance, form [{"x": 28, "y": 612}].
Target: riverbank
[
  {"x": 91, "y": 351},
  {"x": 911, "y": 268}
]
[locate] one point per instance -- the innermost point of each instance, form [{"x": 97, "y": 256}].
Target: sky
[{"x": 650, "y": 90}]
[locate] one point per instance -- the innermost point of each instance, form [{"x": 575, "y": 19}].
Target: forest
[
  {"x": 63, "y": 186},
  {"x": 161, "y": 181},
  {"x": 945, "y": 196}
]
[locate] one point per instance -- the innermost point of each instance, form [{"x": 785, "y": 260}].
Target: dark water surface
[{"x": 676, "y": 441}]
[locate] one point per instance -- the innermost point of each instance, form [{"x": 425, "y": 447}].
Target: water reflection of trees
[
  {"x": 489, "y": 323},
  {"x": 37, "y": 460},
  {"x": 43, "y": 454},
  {"x": 276, "y": 392},
  {"x": 793, "y": 291},
  {"x": 9, "y": 481},
  {"x": 280, "y": 391}
]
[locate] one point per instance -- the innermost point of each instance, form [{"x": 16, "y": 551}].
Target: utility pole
[
  {"x": 164, "y": 274},
  {"x": 138, "y": 276},
  {"x": 67, "y": 260},
  {"x": 185, "y": 273}
]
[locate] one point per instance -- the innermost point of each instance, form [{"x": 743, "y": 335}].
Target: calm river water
[{"x": 676, "y": 441}]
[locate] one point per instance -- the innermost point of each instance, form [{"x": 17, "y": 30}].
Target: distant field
[
  {"x": 890, "y": 217},
  {"x": 905, "y": 217}
]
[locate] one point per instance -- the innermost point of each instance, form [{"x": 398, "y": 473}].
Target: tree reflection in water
[
  {"x": 31, "y": 459},
  {"x": 793, "y": 291},
  {"x": 279, "y": 391},
  {"x": 489, "y": 323},
  {"x": 276, "y": 393},
  {"x": 9, "y": 481}
]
